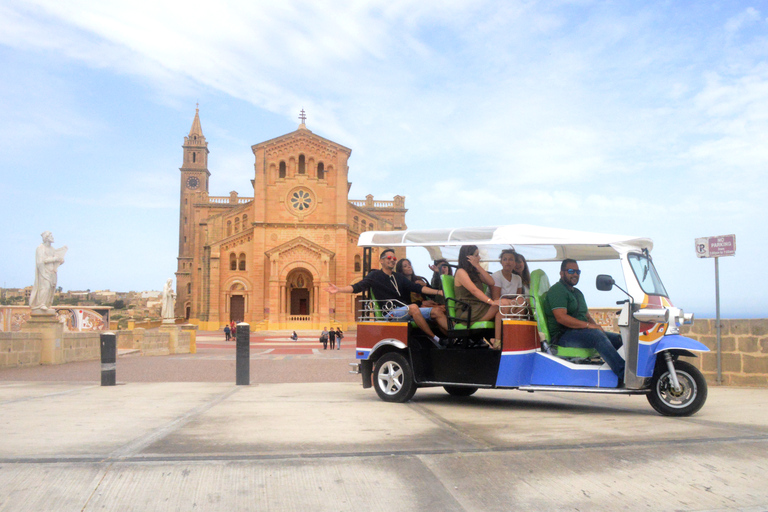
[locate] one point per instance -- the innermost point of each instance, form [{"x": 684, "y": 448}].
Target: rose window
[{"x": 301, "y": 200}]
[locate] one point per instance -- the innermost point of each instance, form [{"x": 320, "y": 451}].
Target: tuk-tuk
[{"x": 396, "y": 358}]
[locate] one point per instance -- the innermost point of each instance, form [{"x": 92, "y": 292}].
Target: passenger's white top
[
  {"x": 536, "y": 243},
  {"x": 507, "y": 287}
]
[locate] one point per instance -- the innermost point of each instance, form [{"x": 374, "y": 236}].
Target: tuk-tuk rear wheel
[
  {"x": 393, "y": 378},
  {"x": 691, "y": 397}
]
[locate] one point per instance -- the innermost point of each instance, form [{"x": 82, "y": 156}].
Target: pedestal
[
  {"x": 173, "y": 331},
  {"x": 51, "y": 333}
]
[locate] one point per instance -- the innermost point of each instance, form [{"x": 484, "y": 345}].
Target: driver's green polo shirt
[{"x": 560, "y": 296}]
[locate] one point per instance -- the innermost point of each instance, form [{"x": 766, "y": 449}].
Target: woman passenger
[
  {"x": 521, "y": 269},
  {"x": 469, "y": 280},
  {"x": 405, "y": 267}
]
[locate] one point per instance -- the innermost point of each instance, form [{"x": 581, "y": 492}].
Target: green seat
[
  {"x": 455, "y": 324},
  {"x": 539, "y": 288}
]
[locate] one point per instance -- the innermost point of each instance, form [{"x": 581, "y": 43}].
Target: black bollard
[
  {"x": 108, "y": 358},
  {"x": 243, "y": 357}
]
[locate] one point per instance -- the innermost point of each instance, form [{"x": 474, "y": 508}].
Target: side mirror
[{"x": 604, "y": 283}]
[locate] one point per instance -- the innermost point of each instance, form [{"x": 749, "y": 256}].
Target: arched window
[
  {"x": 245, "y": 221},
  {"x": 321, "y": 171},
  {"x": 241, "y": 261},
  {"x": 358, "y": 267},
  {"x": 237, "y": 224},
  {"x": 189, "y": 288},
  {"x": 229, "y": 228},
  {"x": 232, "y": 261},
  {"x": 355, "y": 224},
  {"x": 282, "y": 169},
  {"x": 193, "y": 157},
  {"x": 302, "y": 165}
]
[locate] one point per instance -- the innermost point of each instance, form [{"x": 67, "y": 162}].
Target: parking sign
[{"x": 716, "y": 246}]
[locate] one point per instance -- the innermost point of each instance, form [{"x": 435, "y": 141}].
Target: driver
[
  {"x": 571, "y": 325},
  {"x": 388, "y": 285}
]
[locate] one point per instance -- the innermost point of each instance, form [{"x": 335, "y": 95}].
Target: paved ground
[
  {"x": 71, "y": 444},
  {"x": 274, "y": 358}
]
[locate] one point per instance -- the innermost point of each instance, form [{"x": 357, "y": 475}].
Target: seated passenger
[
  {"x": 521, "y": 269},
  {"x": 571, "y": 325},
  {"x": 405, "y": 267},
  {"x": 388, "y": 286},
  {"x": 506, "y": 282},
  {"x": 468, "y": 284},
  {"x": 439, "y": 269}
]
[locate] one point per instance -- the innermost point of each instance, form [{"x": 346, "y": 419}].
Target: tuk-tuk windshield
[{"x": 646, "y": 274}]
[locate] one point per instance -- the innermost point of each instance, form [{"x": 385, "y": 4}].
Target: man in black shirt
[{"x": 388, "y": 285}]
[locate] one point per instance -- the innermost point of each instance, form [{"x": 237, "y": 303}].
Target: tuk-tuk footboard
[{"x": 579, "y": 389}]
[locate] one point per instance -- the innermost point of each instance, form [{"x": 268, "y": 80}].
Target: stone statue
[
  {"x": 47, "y": 261},
  {"x": 169, "y": 300}
]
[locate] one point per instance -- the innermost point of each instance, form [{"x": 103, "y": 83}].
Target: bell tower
[{"x": 194, "y": 189}]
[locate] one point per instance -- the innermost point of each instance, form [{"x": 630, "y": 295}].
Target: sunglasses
[
  {"x": 574, "y": 271},
  {"x": 389, "y": 257}
]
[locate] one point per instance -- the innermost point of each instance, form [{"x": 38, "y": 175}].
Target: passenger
[
  {"x": 521, "y": 269},
  {"x": 405, "y": 267},
  {"x": 439, "y": 269},
  {"x": 388, "y": 286},
  {"x": 468, "y": 283},
  {"x": 571, "y": 325},
  {"x": 506, "y": 283}
]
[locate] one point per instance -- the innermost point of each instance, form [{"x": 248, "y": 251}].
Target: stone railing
[
  {"x": 299, "y": 318},
  {"x": 372, "y": 204},
  {"x": 228, "y": 200}
]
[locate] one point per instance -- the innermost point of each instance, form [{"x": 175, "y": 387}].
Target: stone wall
[
  {"x": 24, "y": 348},
  {"x": 744, "y": 350},
  {"x": 20, "y": 349},
  {"x": 81, "y": 346},
  {"x": 154, "y": 343}
]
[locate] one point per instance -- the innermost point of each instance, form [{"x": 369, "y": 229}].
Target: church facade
[{"x": 267, "y": 259}]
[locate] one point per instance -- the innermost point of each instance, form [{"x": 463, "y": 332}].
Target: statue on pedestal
[
  {"x": 169, "y": 301},
  {"x": 47, "y": 262}
]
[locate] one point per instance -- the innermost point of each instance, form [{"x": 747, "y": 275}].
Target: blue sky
[{"x": 638, "y": 118}]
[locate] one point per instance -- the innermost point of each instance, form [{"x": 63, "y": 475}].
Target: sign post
[{"x": 715, "y": 247}]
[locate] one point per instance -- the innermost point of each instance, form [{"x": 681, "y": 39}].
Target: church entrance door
[
  {"x": 237, "y": 308},
  {"x": 300, "y": 295}
]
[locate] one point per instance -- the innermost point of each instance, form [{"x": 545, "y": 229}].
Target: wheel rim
[
  {"x": 670, "y": 397},
  {"x": 391, "y": 378}
]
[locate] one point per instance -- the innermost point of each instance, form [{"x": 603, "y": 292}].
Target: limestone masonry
[{"x": 267, "y": 259}]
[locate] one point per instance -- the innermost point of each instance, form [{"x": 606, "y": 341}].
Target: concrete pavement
[{"x": 332, "y": 446}]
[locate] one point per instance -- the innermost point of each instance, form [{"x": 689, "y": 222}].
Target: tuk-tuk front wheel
[
  {"x": 683, "y": 402},
  {"x": 393, "y": 378}
]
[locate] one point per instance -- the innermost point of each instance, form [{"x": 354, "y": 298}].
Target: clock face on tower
[{"x": 193, "y": 182}]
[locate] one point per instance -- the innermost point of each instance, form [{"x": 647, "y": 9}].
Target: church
[{"x": 267, "y": 259}]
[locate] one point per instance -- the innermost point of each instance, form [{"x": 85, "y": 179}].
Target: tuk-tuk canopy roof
[{"x": 536, "y": 243}]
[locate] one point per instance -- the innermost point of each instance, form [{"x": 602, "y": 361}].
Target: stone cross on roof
[{"x": 302, "y": 116}]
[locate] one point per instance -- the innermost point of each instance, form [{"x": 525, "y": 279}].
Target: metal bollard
[
  {"x": 243, "y": 356},
  {"x": 108, "y": 358}
]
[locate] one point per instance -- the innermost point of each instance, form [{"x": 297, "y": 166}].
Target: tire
[
  {"x": 691, "y": 398},
  {"x": 393, "y": 378},
  {"x": 460, "y": 390}
]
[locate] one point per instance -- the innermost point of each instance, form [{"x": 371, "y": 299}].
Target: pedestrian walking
[
  {"x": 227, "y": 332},
  {"x": 339, "y": 336},
  {"x": 324, "y": 338},
  {"x": 332, "y": 338}
]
